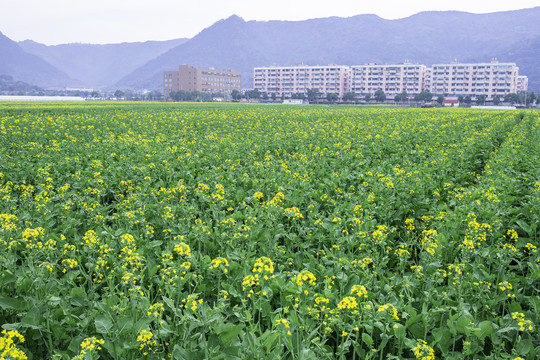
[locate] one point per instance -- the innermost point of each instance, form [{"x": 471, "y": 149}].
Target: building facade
[
  {"x": 288, "y": 80},
  {"x": 190, "y": 78},
  {"x": 452, "y": 79},
  {"x": 523, "y": 83},
  {"x": 473, "y": 79},
  {"x": 392, "y": 79}
]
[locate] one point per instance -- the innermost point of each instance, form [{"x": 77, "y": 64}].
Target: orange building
[{"x": 190, "y": 78}]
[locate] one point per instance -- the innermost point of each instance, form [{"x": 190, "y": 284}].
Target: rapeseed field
[{"x": 202, "y": 231}]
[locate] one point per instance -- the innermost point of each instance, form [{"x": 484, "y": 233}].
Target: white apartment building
[
  {"x": 490, "y": 79},
  {"x": 452, "y": 79},
  {"x": 523, "y": 83},
  {"x": 287, "y": 80},
  {"x": 392, "y": 79}
]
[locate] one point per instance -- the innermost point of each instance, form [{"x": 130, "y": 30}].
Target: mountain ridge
[
  {"x": 29, "y": 68},
  {"x": 99, "y": 65},
  {"x": 426, "y": 37}
]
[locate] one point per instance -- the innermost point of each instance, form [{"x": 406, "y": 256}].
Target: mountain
[
  {"x": 99, "y": 66},
  {"x": 15, "y": 62},
  {"x": 427, "y": 37},
  {"x": 7, "y": 83},
  {"x": 526, "y": 54}
]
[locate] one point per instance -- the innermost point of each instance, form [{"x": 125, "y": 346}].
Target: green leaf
[
  {"x": 103, "y": 325},
  {"x": 271, "y": 340},
  {"x": 443, "y": 338},
  {"x": 399, "y": 331},
  {"x": 525, "y": 227},
  {"x": 169, "y": 303},
  {"x": 484, "y": 329},
  {"x": 367, "y": 339},
  {"x": 228, "y": 332},
  {"x": 463, "y": 324},
  {"x": 7, "y": 303},
  {"x": 524, "y": 346},
  {"x": 180, "y": 353}
]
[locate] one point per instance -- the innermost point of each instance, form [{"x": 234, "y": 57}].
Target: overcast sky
[{"x": 111, "y": 21}]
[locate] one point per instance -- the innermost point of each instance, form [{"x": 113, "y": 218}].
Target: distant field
[{"x": 218, "y": 231}]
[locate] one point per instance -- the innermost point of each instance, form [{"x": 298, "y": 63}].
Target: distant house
[{"x": 450, "y": 102}]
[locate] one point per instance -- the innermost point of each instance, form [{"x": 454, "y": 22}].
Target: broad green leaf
[
  {"x": 103, "y": 324},
  {"x": 484, "y": 329},
  {"x": 367, "y": 339}
]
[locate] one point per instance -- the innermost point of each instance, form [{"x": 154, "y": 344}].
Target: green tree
[
  {"x": 236, "y": 95},
  {"x": 273, "y": 96},
  {"x": 313, "y": 94},
  {"x": 118, "y": 94},
  {"x": 253, "y": 94},
  {"x": 153, "y": 95},
  {"x": 496, "y": 100},
  {"x": 350, "y": 96},
  {"x": 480, "y": 99},
  {"x": 531, "y": 97},
  {"x": 367, "y": 97},
  {"x": 467, "y": 100},
  {"x": 440, "y": 99},
  {"x": 379, "y": 96},
  {"x": 424, "y": 96},
  {"x": 512, "y": 98},
  {"x": 265, "y": 96},
  {"x": 332, "y": 97},
  {"x": 401, "y": 97}
]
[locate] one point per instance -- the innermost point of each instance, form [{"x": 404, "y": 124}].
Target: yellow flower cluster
[
  {"x": 348, "y": 302},
  {"x": 429, "y": 240},
  {"x": 146, "y": 342},
  {"x": 276, "y": 199},
  {"x": 402, "y": 250},
  {"x": 263, "y": 265},
  {"x": 156, "y": 310},
  {"x": 359, "y": 290},
  {"x": 385, "y": 307},
  {"x": 504, "y": 286},
  {"x": 89, "y": 345},
  {"x": 476, "y": 233},
  {"x": 285, "y": 324},
  {"x": 293, "y": 213},
  {"x": 523, "y": 323},
  {"x": 249, "y": 282},
  {"x": 8, "y": 348},
  {"x": 512, "y": 234},
  {"x": 90, "y": 239},
  {"x": 7, "y": 222},
  {"x": 220, "y": 192},
  {"x": 422, "y": 351},
  {"x": 304, "y": 276},
  {"x": 202, "y": 187},
  {"x": 258, "y": 195},
  {"x": 30, "y": 236},
  {"x": 220, "y": 261},
  {"x": 69, "y": 263},
  {"x": 182, "y": 249},
  {"x": 192, "y": 302}
]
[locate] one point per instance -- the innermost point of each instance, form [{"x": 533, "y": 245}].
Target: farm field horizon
[{"x": 236, "y": 231}]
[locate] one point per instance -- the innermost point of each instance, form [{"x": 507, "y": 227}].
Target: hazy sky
[{"x": 110, "y": 21}]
